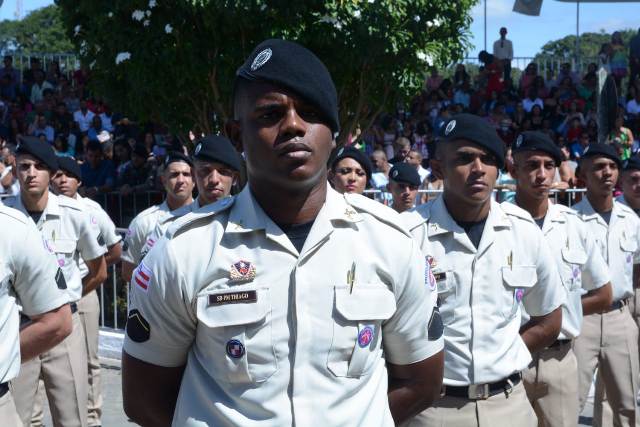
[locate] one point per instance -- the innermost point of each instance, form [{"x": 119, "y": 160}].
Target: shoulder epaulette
[
  {"x": 205, "y": 213},
  {"x": 512, "y": 209},
  {"x": 383, "y": 213}
]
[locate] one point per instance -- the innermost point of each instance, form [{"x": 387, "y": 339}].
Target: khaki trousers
[
  {"x": 89, "y": 311},
  {"x": 63, "y": 370},
  {"x": 609, "y": 342},
  {"x": 8, "y": 413},
  {"x": 500, "y": 410},
  {"x": 551, "y": 383}
]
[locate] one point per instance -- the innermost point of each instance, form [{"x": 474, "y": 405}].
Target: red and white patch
[
  {"x": 142, "y": 277},
  {"x": 150, "y": 242}
]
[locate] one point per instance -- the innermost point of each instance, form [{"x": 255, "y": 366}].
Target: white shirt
[
  {"x": 480, "y": 290},
  {"x": 66, "y": 230},
  {"x": 528, "y": 104},
  {"x": 622, "y": 200},
  {"x": 503, "y": 49},
  {"x": 141, "y": 226},
  {"x": 619, "y": 243},
  {"x": 83, "y": 120},
  {"x": 579, "y": 262},
  {"x": 27, "y": 283},
  {"x": 633, "y": 107},
  {"x": 106, "y": 122},
  {"x": 308, "y": 348},
  {"x": 102, "y": 225}
]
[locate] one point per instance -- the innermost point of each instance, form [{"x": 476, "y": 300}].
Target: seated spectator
[
  {"x": 83, "y": 117},
  {"x": 9, "y": 184},
  {"x": 462, "y": 95},
  {"x": 95, "y": 128},
  {"x": 380, "y": 175},
  {"x": 62, "y": 120},
  {"x": 8, "y": 90},
  {"x": 460, "y": 76},
  {"x": 536, "y": 117},
  {"x": 107, "y": 119},
  {"x": 72, "y": 101},
  {"x": 38, "y": 87},
  {"x": 506, "y": 131},
  {"x": 434, "y": 80},
  {"x": 415, "y": 159},
  {"x": 41, "y": 127},
  {"x": 61, "y": 147},
  {"x": 575, "y": 129},
  {"x": 633, "y": 106},
  {"x": 565, "y": 72},
  {"x": 402, "y": 146},
  {"x": 527, "y": 78},
  {"x": 622, "y": 137},
  {"x": 98, "y": 174},
  {"x": 121, "y": 156},
  {"x": 137, "y": 174},
  {"x": 493, "y": 70},
  {"x": 531, "y": 100},
  {"x": 576, "y": 148},
  {"x": 12, "y": 74}
]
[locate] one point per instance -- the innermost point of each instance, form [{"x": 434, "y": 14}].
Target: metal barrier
[
  {"x": 114, "y": 293},
  {"x": 544, "y": 63},
  {"x": 122, "y": 209}
]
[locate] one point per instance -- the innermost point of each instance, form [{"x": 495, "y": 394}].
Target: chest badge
[
  {"x": 242, "y": 271},
  {"x": 235, "y": 349},
  {"x": 365, "y": 336}
]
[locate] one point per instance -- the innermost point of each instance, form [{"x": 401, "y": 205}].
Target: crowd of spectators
[{"x": 119, "y": 155}]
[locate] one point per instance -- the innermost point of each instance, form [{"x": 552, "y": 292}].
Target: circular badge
[
  {"x": 394, "y": 174},
  {"x": 365, "y": 336},
  {"x": 576, "y": 271},
  {"x": 450, "y": 127},
  {"x": 197, "y": 150},
  {"x": 235, "y": 349},
  {"x": 519, "y": 141},
  {"x": 628, "y": 258},
  {"x": 261, "y": 59},
  {"x": 519, "y": 294},
  {"x": 61, "y": 262}
]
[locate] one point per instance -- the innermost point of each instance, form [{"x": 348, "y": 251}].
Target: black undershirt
[
  {"x": 297, "y": 233},
  {"x": 606, "y": 216},
  {"x": 35, "y": 216},
  {"x": 540, "y": 221},
  {"x": 474, "y": 230}
]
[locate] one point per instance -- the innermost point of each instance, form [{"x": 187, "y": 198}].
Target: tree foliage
[
  {"x": 41, "y": 31},
  {"x": 177, "y": 58},
  {"x": 590, "y": 44}
]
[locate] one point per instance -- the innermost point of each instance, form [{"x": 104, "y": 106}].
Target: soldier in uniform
[
  {"x": 488, "y": 260},
  {"x": 404, "y": 182},
  {"x": 66, "y": 181},
  {"x": 350, "y": 171},
  {"x": 30, "y": 281},
  {"x": 177, "y": 180},
  {"x": 609, "y": 339},
  {"x": 297, "y": 305},
  {"x": 551, "y": 381},
  {"x": 67, "y": 232}
]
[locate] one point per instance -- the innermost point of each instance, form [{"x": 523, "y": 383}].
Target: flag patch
[{"x": 142, "y": 277}]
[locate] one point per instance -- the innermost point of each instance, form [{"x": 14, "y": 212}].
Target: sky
[{"x": 527, "y": 33}]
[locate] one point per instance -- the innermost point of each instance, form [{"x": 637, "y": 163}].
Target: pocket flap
[
  {"x": 520, "y": 276},
  {"x": 64, "y": 246},
  {"x": 365, "y": 303},
  {"x": 574, "y": 256},
  {"x": 233, "y": 306},
  {"x": 628, "y": 245}
]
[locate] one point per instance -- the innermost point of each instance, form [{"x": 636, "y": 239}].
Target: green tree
[
  {"x": 40, "y": 31},
  {"x": 174, "y": 61}
]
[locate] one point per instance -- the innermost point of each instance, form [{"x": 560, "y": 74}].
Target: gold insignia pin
[
  {"x": 242, "y": 271},
  {"x": 349, "y": 213},
  {"x": 351, "y": 277},
  {"x": 510, "y": 260}
]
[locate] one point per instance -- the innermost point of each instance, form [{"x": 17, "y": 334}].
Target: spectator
[
  {"x": 380, "y": 175},
  {"x": 576, "y": 148},
  {"x": 462, "y": 95},
  {"x": 83, "y": 117},
  {"x": 503, "y": 51},
  {"x": 414, "y": 158},
  {"x": 565, "y": 72},
  {"x": 531, "y": 100},
  {"x": 528, "y": 77},
  {"x": 9, "y": 184},
  {"x": 622, "y": 137},
  {"x": 404, "y": 183},
  {"x": 434, "y": 80},
  {"x": 8, "y": 90},
  {"x": 62, "y": 148},
  {"x": 97, "y": 173},
  {"x": 460, "y": 76},
  {"x": 634, "y": 56},
  {"x": 107, "y": 119},
  {"x": 402, "y": 146},
  {"x": 350, "y": 171},
  {"x": 575, "y": 129},
  {"x": 11, "y": 73},
  {"x": 604, "y": 56},
  {"x": 493, "y": 72},
  {"x": 38, "y": 87},
  {"x": 619, "y": 61},
  {"x": 95, "y": 128},
  {"x": 40, "y": 127},
  {"x": 62, "y": 120},
  {"x": 633, "y": 106},
  {"x": 136, "y": 175}
]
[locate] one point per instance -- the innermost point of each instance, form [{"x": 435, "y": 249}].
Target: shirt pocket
[
  {"x": 234, "y": 339},
  {"x": 571, "y": 274},
  {"x": 628, "y": 247},
  {"x": 64, "y": 250},
  {"x": 517, "y": 280},
  {"x": 447, "y": 295},
  {"x": 357, "y": 328}
]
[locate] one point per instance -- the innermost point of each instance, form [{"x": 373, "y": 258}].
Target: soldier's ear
[{"x": 234, "y": 132}]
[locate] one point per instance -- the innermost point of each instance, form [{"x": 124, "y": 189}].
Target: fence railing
[
  {"x": 544, "y": 63},
  {"x": 114, "y": 293}
]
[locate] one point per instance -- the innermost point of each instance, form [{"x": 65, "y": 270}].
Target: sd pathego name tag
[{"x": 233, "y": 298}]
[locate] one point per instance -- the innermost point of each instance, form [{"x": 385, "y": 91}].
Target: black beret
[
  {"x": 70, "y": 166},
  {"x": 602, "y": 150},
  {"x": 632, "y": 163},
  {"x": 356, "y": 155},
  {"x": 296, "y": 68},
  {"x": 39, "y": 149},
  {"x": 538, "y": 141},
  {"x": 176, "y": 156},
  {"x": 217, "y": 148},
  {"x": 405, "y": 173},
  {"x": 477, "y": 130}
]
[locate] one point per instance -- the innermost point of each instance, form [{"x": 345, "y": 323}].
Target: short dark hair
[{"x": 94, "y": 146}]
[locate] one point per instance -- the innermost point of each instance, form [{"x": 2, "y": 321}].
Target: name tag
[
  {"x": 440, "y": 276},
  {"x": 233, "y": 298}
]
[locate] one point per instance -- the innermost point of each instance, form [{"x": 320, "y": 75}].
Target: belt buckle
[{"x": 478, "y": 391}]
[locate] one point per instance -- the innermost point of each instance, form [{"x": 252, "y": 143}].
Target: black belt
[
  {"x": 24, "y": 319},
  {"x": 4, "y": 388},
  {"x": 559, "y": 343},
  {"x": 482, "y": 391},
  {"x": 617, "y": 305}
]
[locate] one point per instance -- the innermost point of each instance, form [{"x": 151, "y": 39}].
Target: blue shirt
[{"x": 103, "y": 175}]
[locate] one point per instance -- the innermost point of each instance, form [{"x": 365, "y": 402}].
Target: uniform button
[{"x": 235, "y": 349}]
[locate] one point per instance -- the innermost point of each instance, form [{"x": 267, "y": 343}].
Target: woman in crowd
[
  {"x": 350, "y": 171},
  {"x": 619, "y": 61}
]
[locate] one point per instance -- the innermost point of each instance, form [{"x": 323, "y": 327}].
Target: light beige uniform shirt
[
  {"x": 27, "y": 282},
  {"x": 141, "y": 226},
  {"x": 273, "y": 337},
  {"x": 480, "y": 289}
]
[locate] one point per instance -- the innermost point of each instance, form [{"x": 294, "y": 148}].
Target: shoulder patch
[
  {"x": 69, "y": 202},
  {"x": 205, "y": 213},
  {"x": 512, "y": 210},
  {"x": 383, "y": 213},
  {"x": 13, "y": 213}
]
